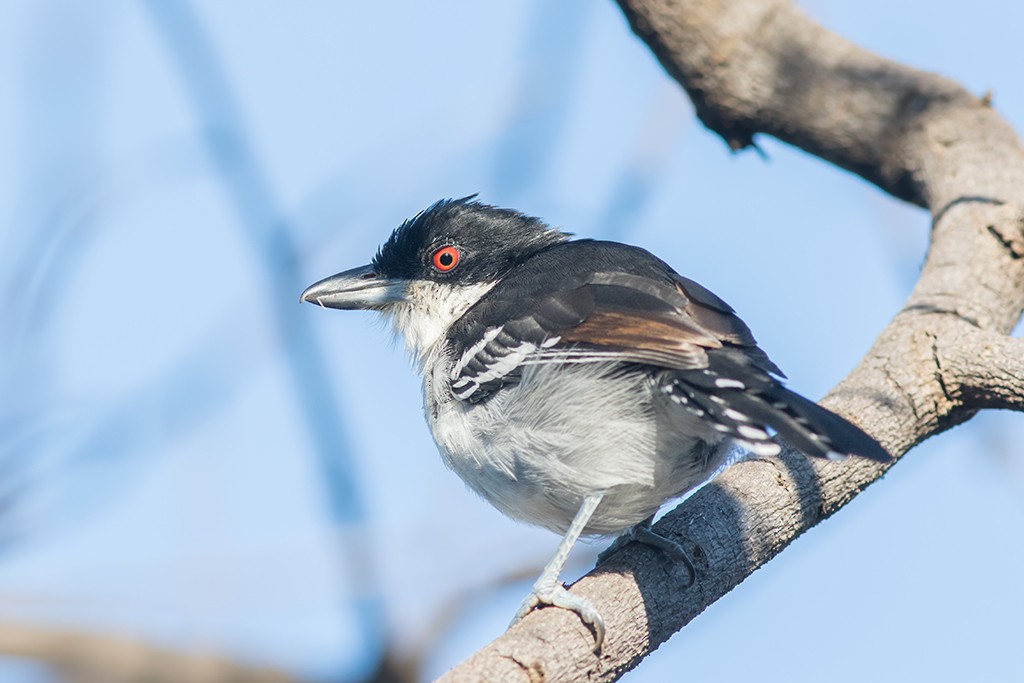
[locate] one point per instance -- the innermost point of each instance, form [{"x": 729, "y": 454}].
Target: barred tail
[{"x": 807, "y": 426}]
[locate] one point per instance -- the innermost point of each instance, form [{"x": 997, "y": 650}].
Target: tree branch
[
  {"x": 761, "y": 66},
  {"x": 91, "y": 657}
]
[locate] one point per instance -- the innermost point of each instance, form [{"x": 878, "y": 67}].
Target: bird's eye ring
[{"x": 445, "y": 258}]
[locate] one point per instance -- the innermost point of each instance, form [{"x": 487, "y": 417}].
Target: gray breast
[{"x": 536, "y": 448}]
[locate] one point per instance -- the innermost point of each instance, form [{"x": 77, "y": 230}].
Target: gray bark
[{"x": 762, "y": 67}]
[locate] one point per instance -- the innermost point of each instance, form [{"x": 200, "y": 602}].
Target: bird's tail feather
[{"x": 810, "y": 428}]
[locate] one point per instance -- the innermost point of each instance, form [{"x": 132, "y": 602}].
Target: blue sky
[{"x": 194, "y": 459}]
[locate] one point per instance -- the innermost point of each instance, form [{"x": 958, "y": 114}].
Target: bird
[{"x": 577, "y": 384}]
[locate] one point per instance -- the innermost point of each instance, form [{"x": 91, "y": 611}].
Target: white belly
[{"x": 538, "y": 447}]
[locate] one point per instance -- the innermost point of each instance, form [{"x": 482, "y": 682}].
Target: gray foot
[
  {"x": 642, "y": 533},
  {"x": 555, "y": 595}
]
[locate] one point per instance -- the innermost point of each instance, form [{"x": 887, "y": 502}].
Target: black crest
[{"x": 490, "y": 241}]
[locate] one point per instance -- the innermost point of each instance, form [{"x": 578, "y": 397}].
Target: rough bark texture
[{"x": 761, "y": 66}]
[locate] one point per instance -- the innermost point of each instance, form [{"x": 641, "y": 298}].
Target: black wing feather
[{"x": 586, "y": 301}]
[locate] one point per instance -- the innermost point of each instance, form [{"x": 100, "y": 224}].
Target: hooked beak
[{"x": 359, "y": 288}]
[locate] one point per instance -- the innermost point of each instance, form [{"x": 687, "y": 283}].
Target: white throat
[{"x": 430, "y": 311}]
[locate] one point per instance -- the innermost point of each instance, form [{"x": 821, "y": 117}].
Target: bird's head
[{"x": 435, "y": 266}]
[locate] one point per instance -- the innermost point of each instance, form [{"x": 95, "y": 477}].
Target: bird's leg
[
  {"x": 548, "y": 590},
  {"x": 643, "y": 533}
]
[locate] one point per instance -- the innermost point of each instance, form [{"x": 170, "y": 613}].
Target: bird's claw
[
  {"x": 555, "y": 595},
  {"x": 643, "y": 533}
]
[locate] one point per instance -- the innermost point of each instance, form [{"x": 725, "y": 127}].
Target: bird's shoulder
[{"x": 587, "y": 301}]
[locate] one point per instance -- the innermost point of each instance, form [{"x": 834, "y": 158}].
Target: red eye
[{"x": 445, "y": 258}]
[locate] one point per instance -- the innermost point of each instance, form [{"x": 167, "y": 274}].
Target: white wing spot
[
  {"x": 507, "y": 363},
  {"x": 723, "y": 383},
  {"x": 469, "y": 353},
  {"x": 466, "y": 393},
  {"x": 766, "y": 448},
  {"x": 752, "y": 432}
]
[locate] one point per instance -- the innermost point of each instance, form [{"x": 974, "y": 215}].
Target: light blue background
[{"x": 189, "y": 457}]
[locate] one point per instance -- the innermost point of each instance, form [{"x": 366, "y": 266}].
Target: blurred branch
[
  {"x": 639, "y": 177},
  {"x": 250, "y": 191},
  {"x": 540, "y": 106},
  {"x": 761, "y": 66},
  {"x": 79, "y": 657},
  {"x": 253, "y": 198}
]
